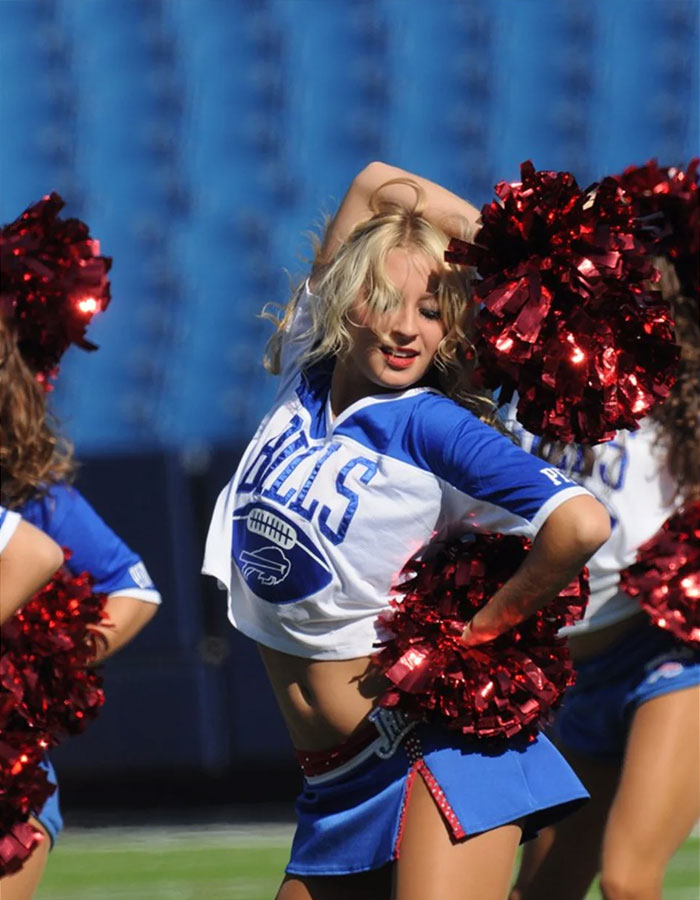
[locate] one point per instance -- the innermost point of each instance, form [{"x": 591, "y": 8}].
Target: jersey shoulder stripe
[{"x": 431, "y": 432}]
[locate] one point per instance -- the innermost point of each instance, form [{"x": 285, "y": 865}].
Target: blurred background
[{"x": 201, "y": 139}]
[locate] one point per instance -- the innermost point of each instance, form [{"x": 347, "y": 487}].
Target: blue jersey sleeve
[
  {"x": 490, "y": 484},
  {"x": 66, "y": 516}
]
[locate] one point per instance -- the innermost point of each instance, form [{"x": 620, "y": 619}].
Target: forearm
[
  {"x": 441, "y": 207},
  {"x": 125, "y": 617},
  {"x": 561, "y": 549}
]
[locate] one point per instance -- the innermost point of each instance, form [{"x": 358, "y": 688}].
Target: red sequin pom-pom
[
  {"x": 53, "y": 283},
  {"x": 567, "y": 317},
  {"x": 47, "y": 691},
  {"x": 495, "y": 690},
  {"x": 666, "y": 203},
  {"x": 666, "y": 575},
  {"x": 45, "y": 675},
  {"x": 24, "y": 787}
]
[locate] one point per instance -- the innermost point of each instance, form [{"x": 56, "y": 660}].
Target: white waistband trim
[{"x": 392, "y": 726}]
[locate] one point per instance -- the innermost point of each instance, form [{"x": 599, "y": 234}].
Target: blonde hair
[{"x": 358, "y": 268}]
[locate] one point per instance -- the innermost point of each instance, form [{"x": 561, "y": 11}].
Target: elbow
[
  {"x": 579, "y": 526},
  {"x": 373, "y": 175},
  {"x": 592, "y": 527},
  {"x": 149, "y": 612}
]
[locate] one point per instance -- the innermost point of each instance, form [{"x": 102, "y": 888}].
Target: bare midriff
[{"x": 322, "y": 701}]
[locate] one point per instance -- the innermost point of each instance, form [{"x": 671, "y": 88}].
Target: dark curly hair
[
  {"x": 33, "y": 454},
  {"x": 679, "y": 415}
]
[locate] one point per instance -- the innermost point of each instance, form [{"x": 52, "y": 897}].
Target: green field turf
[{"x": 216, "y": 864}]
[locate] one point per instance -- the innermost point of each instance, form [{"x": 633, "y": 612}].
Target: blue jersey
[
  {"x": 66, "y": 516},
  {"x": 323, "y": 512},
  {"x": 8, "y": 523}
]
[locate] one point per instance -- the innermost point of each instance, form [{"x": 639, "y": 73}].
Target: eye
[{"x": 429, "y": 312}]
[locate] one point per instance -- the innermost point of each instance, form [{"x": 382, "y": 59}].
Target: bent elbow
[
  {"x": 150, "y": 612},
  {"x": 374, "y": 174},
  {"x": 580, "y": 525},
  {"x": 593, "y": 527}
]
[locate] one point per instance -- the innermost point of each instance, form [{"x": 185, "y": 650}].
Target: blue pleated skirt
[{"x": 353, "y": 823}]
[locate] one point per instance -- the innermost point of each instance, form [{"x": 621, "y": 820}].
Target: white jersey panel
[{"x": 630, "y": 477}]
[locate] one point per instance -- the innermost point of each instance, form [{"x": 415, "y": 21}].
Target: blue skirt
[
  {"x": 353, "y": 821},
  {"x": 50, "y": 813}
]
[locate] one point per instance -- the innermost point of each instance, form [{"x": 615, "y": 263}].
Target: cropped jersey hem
[{"x": 294, "y": 647}]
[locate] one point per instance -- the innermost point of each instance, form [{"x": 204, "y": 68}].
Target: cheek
[
  {"x": 363, "y": 343},
  {"x": 434, "y": 336}
]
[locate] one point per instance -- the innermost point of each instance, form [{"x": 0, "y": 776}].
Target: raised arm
[
  {"x": 569, "y": 536},
  {"x": 442, "y": 208}
]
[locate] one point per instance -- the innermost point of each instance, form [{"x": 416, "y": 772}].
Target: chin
[{"x": 397, "y": 382}]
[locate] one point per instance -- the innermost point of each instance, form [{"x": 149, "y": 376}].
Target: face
[{"x": 400, "y": 347}]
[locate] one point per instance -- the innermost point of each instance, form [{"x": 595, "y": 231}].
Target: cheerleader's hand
[{"x": 473, "y": 635}]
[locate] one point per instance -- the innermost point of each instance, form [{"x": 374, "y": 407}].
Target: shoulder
[
  {"x": 412, "y": 427},
  {"x": 64, "y": 514},
  {"x": 51, "y": 506}
]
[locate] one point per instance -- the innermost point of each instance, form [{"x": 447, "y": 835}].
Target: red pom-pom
[
  {"x": 666, "y": 203},
  {"x": 47, "y": 690},
  {"x": 47, "y": 647},
  {"x": 16, "y": 845},
  {"x": 24, "y": 787},
  {"x": 499, "y": 689},
  {"x": 666, "y": 575},
  {"x": 53, "y": 282},
  {"x": 567, "y": 317}
]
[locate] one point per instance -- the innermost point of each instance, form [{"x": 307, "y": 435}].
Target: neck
[
  {"x": 347, "y": 388},
  {"x": 344, "y": 390}
]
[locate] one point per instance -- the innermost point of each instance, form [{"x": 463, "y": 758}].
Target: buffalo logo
[
  {"x": 269, "y": 564},
  {"x": 277, "y": 560},
  {"x": 667, "y": 670}
]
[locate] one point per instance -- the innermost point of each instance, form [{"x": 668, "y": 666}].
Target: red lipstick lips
[{"x": 399, "y": 358}]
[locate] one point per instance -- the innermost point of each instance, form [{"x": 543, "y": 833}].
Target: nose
[{"x": 403, "y": 325}]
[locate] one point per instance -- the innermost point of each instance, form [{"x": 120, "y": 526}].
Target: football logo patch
[{"x": 277, "y": 560}]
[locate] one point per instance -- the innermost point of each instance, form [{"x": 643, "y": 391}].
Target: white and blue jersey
[
  {"x": 323, "y": 512},
  {"x": 66, "y": 516},
  {"x": 630, "y": 477},
  {"x": 9, "y": 521}
]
